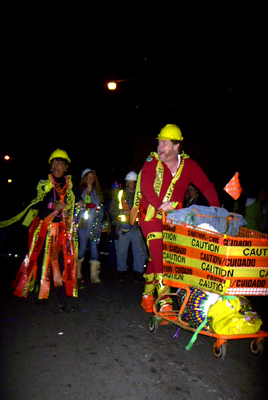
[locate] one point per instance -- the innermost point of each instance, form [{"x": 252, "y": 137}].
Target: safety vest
[{"x": 122, "y": 205}]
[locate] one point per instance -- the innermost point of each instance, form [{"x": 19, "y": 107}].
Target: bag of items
[{"x": 232, "y": 315}]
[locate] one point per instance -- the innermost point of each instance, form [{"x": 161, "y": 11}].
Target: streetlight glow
[{"x": 112, "y": 85}]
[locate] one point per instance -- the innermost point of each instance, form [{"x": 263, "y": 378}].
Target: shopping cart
[{"x": 222, "y": 263}]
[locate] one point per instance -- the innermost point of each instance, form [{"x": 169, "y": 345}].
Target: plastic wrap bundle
[
  {"x": 232, "y": 315},
  {"x": 215, "y": 218},
  {"x": 197, "y": 306}
]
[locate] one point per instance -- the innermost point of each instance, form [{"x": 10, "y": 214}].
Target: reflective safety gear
[
  {"x": 170, "y": 132},
  {"x": 59, "y": 154},
  {"x": 122, "y": 206},
  {"x": 149, "y": 285},
  {"x": 148, "y": 214},
  {"x": 120, "y": 194},
  {"x": 159, "y": 284},
  {"x": 131, "y": 176}
]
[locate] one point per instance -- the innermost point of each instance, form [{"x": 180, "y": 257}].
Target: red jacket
[{"x": 191, "y": 173}]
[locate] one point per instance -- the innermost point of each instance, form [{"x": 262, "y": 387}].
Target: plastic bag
[
  {"x": 216, "y": 217},
  {"x": 233, "y": 316}
]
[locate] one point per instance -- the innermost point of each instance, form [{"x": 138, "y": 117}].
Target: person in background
[
  {"x": 263, "y": 199},
  {"x": 250, "y": 208},
  {"x": 127, "y": 234},
  {"x": 193, "y": 196},
  {"x": 89, "y": 229}
]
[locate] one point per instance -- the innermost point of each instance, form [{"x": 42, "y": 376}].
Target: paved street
[{"x": 104, "y": 350}]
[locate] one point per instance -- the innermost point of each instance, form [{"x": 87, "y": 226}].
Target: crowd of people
[{"x": 65, "y": 221}]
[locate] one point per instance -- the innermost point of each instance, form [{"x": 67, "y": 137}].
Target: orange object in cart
[{"x": 227, "y": 265}]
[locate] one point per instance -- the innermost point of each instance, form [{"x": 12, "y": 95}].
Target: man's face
[
  {"x": 167, "y": 150},
  {"x": 131, "y": 186},
  {"x": 58, "y": 167}
]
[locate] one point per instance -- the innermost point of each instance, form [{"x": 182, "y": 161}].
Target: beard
[{"x": 164, "y": 156}]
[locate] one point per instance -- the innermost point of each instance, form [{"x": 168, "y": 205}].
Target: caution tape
[
  {"x": 214, "y": 262},
  {"x": 200, "y": 244},
  {"x": 177, "y": 262}
]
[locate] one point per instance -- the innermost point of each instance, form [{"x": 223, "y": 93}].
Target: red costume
[{"x": 190, "y": 173}]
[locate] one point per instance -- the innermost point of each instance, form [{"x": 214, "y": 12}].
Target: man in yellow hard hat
[
  {"x": 52, "y": 236},
  {"x": 162, "y": 184}
]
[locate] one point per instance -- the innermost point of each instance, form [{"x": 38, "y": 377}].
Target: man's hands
[
  {"x": 167, "y": 206},
  {"x": 58, "y": 206}
]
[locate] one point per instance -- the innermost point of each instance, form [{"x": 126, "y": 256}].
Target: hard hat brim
[
  {"x": 169, "y": 138},
  {"x": 59, "y": 158}
]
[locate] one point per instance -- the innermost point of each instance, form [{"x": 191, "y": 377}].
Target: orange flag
[{"x": 233, "y": 187}]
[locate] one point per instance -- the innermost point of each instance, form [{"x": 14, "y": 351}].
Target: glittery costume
[{"x": 52, "y": 241}]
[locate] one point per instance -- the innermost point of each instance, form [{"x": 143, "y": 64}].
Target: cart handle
[{"x": 163, "y": 215}]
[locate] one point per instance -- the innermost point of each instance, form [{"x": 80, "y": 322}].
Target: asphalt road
[{"x": 104, "y": 350}]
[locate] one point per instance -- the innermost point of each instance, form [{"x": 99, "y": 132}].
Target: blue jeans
[
  {"x": 82, "y": 245},
  {"x": 138, "y": 249}
]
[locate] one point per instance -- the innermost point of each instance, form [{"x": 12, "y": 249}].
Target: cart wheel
[
  {"x": 219, "y": 352},
  {"x": 153, "y": 324},
  {"x": 256, "y": 348}
]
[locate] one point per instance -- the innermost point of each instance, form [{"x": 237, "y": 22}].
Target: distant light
[
  {"x": 9, "y": 180},
  {"x": 7, "y": 157},
  {"x": 112, "y": 85}
]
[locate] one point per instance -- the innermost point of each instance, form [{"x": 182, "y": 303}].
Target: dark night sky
[{"x": 202, "y": 70}]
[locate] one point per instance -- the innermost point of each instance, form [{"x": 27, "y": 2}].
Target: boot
[
  {"x": 79, "y": 268},
  {"x": 94, "y": 271},
  {"x": 166, "y": 301},
  {"x": 147, "y": 302},
  {"x": 148, "y": 294}
]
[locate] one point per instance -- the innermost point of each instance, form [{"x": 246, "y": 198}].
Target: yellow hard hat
[
  {"x": 59, "y": 154},
  {"x": 170, "y": 132}
]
